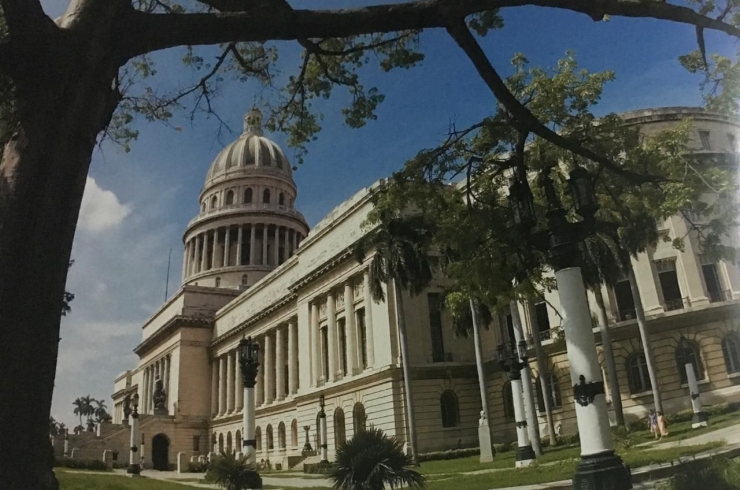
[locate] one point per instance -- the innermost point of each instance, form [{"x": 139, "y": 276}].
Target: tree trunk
[
  {"x": 543, "y": 369},
  {"x": 42, "y": 179},
  {"x": 479, "y": 365},
  {"x": 410, "y": 416},
  {"x": 533, "y": 425},
  {"x": 644, "y": 337},
  {"x": 611, "y": 365}
]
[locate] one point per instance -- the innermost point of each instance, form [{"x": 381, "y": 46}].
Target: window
[
  {"x": 281, "y": 199},
  {"x": 543, "y": 320},
  {"x": 625, "y": 301},
  {"x": 435, "y": 327},
  {"x": 450, "y": 412},
  {"x": 196, "y": 443},
  {"x": 508, "y": 401},
  {"x": 359, "y": 419},
  {"x": 704, "y": 137},
  {"x": 711, "y": 279},
  {"x": 339, "y": 435},
  {"x": 230, "y": 198},
  {"x": 266, "y": 196},
  {"x": 268, "y": 432},
  {"x": 244, "y": 279},
  {"x": 294, "y": 433},
  {"x": 220, "y": 444},
  {"x": 203, "y": 208},
  {"x": 248, "y": 196},
  {"x": 258, "y": 439},
  {"x": 669, "y": 284},
  {"x": 362, "y": 335},
  {"x": 693, "y": 357},
  {"x": 325, "y": 352},
  {"x": 342, "y": 344},
  {"x": 731, "y": 352},
  {"x": 552, "y": 386},
  {"x": 228, "y": 443},
  {"x": 731, "y": 141},
  {"x": 238, "y": 442},
  {"x": 218, "y": 282},
  {"x": 637, "y": 373},
  {"x": 506, "y": 327},
  {"x": 281, "y": 436},
  {"x": 214, "y": 202}
]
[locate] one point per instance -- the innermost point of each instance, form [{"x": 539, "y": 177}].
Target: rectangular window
[
  {"x": 625, "y": 301},
  {"x": 669, "y": 284},
  {"x": 704, "y": 136},
  {"x": 506, "y": 326},
  {"x": 731, "y": 141},
  {"x": 711, "y": 279},
  {"x": 543, "y": 320},
  {"x": 342, "y": 344},
  {"x": 196, "y": 443},
  {"x": 435, "y": 327},
  {"x": 325, "y": 352},
  {"x": 362, "y": 335}
]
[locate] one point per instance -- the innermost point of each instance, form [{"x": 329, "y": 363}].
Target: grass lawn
[
  {"x": 93, "y": 481},
  {"x": 683, "y": 430}
]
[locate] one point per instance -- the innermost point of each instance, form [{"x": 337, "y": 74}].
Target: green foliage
[
  {"x": 450, "y": 454},
  {"x": 81, "y": 464},
  {"x": 232, "y": 473},
  {"x": 717, "y": 473},
  {"x": 197, "y": 467},
  {"x": 373, "y": 461}
]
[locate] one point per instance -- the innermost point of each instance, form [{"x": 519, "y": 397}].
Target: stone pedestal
[
  {"x": 211, "y": 456},
  {"x": 182, "y": 463},
  {"x": 484, "y": 439},
  {"x": 108, "y": 458},
  {"x": 202, "y": 459}
]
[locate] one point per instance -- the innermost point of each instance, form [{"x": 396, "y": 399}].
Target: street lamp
[
  {"x": 514, "y": 361},
  {"x": 599, "y": 466},
  {"x": 133, "y": 466},
  {"x": 700, "y": 416},
  {"x": 322, "y": 435},
  {"x": 249, "y": 362}
]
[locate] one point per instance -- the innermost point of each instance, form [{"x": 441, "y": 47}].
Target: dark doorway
[{"x": 160, "y": 452}]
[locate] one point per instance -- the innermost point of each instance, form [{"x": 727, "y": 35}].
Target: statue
[
  {"x": 159, "y": 397},
  {"x": 483, "y": 419}
]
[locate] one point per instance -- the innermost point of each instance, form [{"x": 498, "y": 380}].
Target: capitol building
[{"x": 252, "y": 267}]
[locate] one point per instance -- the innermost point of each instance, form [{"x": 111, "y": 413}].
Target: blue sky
[{"x": 137, "y": 204}]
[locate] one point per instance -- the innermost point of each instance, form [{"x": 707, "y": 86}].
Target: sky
[{"x": 137, "y": 204}]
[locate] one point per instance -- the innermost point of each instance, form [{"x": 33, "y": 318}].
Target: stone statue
[
  {"x": 483, "y": 419},
  {"x": 126, "y": 409},
  {"x": 159, "y": 397}
]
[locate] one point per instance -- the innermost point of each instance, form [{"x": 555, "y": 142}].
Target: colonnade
[
  {"x": 157, "y": 369},
  {"x": 245, "y": 244}
]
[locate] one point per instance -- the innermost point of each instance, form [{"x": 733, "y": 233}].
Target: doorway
[{"x": 160, "y": 452}]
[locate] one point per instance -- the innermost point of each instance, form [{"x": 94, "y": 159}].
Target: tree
[
  {"x": 80, "y": 409},
  {"x": 100, "y": 411},
  {"x": 399, "y": 260},
  {"x": 232, "y": 473},
  {"x": 373, "y": 461},
  {"x": 67, "y": 82}
]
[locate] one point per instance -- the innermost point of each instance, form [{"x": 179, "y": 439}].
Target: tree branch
[
  {"x": 522, "y": 119},
  {"x": 24, "y": 20},
  {"x": 146, "y": 32}
]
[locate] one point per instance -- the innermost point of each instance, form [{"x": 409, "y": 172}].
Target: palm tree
[
  {"x": 100, "y": 412},
  {"x": 233, "y": 473},
  {"x": 79, "y": 408},
  {"x": 373, "y": 461},
  {"x": 401, "y": 261},
  {"x": 53, "y": 426},
  {"x": 88, "y": 409}
]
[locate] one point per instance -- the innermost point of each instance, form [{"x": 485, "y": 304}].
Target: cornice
[{"x": 173, "y": 324}]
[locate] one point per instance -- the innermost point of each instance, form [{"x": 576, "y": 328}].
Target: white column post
[
  {"x": 248, "y": 421},
  {"x": 260, "y": 386},
  {"x": 280, "y": 361},
  {"x": 185, "y": 261},
  {"x": 214, "y": 252},
  {"x": 238, "y": 384},
  {"x": 295, "y": 240},
  {"x": 142, "y": 389},
  {"x": 239, "y": 244},
  {"x": 264, "y": 245},
  {"x": 349, "y": 328},
  {"x": 527, "y": 385},
  {"x": 227, "y": 243},
  {"x": 166, "y": 380},
  {"x": 66, "y": 443},
  {"x": 276, "y": 253},
  {"x": 230, "y": 375},
  {"x": 524, "y": 454},
  {"x": 221, "y": 385},
  {"x": 134, "y": 454},
  {"x": 214, "y": 387},
  {"x": 269, "y": 369},
  {"x": 323, "y": 439},
  {"x": 700, "y": 417},
  {"x": 368, "y": 319},
  {"x": 315, "y": 344},
  {"x": 204, "y": 258},
  {"x": 196, "y": 263},
  {"x": 331, "y": 326},
  {"x": 252, "y": 244},
  {"x": 149, "y": 389},
  {"x": 292, "y": 358}
]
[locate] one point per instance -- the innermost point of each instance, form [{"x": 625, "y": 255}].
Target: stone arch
[
  {"x": 229, "y": 198},
  {"x": 294, "y": 433},
  {"x": 281, "y": 436},
  {"x": 238, "y": 442},
  {"x": 214, "y": 202},
  {"x": 161, "y": 452},
  {"x": 258, "y": 439},
  {"x": 359, "y": 418},
  {"x": 229, "y": 446},
  {"x": 339, "y": 430},
  {"x": 220, "y": 443},
  {"x": 268, "y": 434},
  {"x": 694, "y": 357}
]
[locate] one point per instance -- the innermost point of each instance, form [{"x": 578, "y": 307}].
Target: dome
[{"x": 252, "y": 150}]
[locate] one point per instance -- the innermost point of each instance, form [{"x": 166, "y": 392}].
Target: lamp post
[
  {"x": 322, "y": 428},
  {"x": 249, "y": 361},
  {"x": 66, "y": 443},
  {"x": 599, "y": 466},
  {"x": 133, "y": 467},
  {"x": 700, "y": 416},
  {"x": 514, "y": 361}
]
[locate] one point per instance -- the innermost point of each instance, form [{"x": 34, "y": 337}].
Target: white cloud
[{"x": 101, "y": 210}]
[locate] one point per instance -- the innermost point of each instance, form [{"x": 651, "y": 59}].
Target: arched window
[
  {"x": 203, "y": 208},
  {"x": 281, "y": 436},
  {"x": 637, "y": 373},
  {"x": 244, "y": 279},
  {"x": 238, "y": 442},
  {"x": 359, "y": 419},
  {"x": 508, "y": 401},
  {"x": 268, "y": 432},
  {"x": 339, "y": 435},
  {"x": 218, "y": 282},
  {"x": 228, "y": 443},
  {"x": 281, "y": 199},
  {"x": 450, "y": 412},
  {"x": 258, "y": 439},
  {"x": 214, "y": 442},
  {"x": 248, "y": 195},
  {"x": 214, "y": 202},
  {"x": 731, "y": 351},
  {"x": 229, "y": 198},
  {"x": 694, "y": 357},
  {"x": 266, "y": 196},
  {"x": 220, "y": 444},
  {"x": 294, "y": 433}
]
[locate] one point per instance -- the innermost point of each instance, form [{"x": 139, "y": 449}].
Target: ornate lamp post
[
  {"x": 599, "y": 467},
  {"x": 126, "y": 409},
  {"x": 322, "y": 435},
  {"x": 514, "y": 361},
  {"x": 249, "y": 361},
  {"x": 66, "y": 443},
  {"x": 133, "y": 467},
  {"x": 700, "y": 416}
]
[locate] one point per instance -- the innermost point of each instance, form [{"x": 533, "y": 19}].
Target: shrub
[
  {"x": 81, "y": 464},
  {"x": 197, "y": 467},
  {"x": 678, "y": 417},
  {"x": 373, "y": 461},
  {"x": 318, "y": 468},
  {"x": 233, "y": 473},
  {"x": 449, "y": 454},
  {"x": 505, "y": 447},
  {"x": 717, "y": 473}
]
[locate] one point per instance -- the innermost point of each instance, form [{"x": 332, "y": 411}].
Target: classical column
[
  {"x": 269, "y": 370},
  {"x": 196, "y": 269},
  {"x": 253, "y": 248},
  {"x": 690, "y": 261},
  {"x": 315, "y": 344},
  {"x": 264, "y": 245},
  {"x": 349, "y": 328},
  {"x": 227, "y": 242},
  {"x": 214, "y": 252},
  {"x": 331, "y": 325},
  {"x": 143, "y": 389},
  {"x": 260, "y": 397},
  {"x": 276, "y": 253},
  {"x": 214, "y": 388},
  {"x": 295, "y": 240},
  {"x": 292, "y": 357},
  {"x": 167, "y": 379},
  {"x": 368, "y": 300},
  {"x": 229, "y": 382},
  {"x": 185, "y": 261},
  {"x": 239, "y": 245},
  {"x": 238, "y": 384},
  {"x": 280, "y": 363},
  {"x": 221, "y": 385},
  {"x": 527, "y": 385},
  {"x": 149, "y": 389},
  {"x": 204, "y": 258}
]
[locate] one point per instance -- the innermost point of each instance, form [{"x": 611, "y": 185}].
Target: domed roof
[{"x": 251, "y": 150}]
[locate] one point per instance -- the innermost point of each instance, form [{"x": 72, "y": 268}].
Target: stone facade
[{"x": 310, "y": 309}]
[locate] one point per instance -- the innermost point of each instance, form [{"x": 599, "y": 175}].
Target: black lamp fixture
[
  {"x": 249, "y": 351},
  {"x": 136, "y": 405},
  {"x": 512, "y": 357},
  {"x": 322, "y": 401}
]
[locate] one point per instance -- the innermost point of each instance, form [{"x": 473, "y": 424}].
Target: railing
[
  {"x": 720, "y": 296},
  {"x": 677, "y": 304}
]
